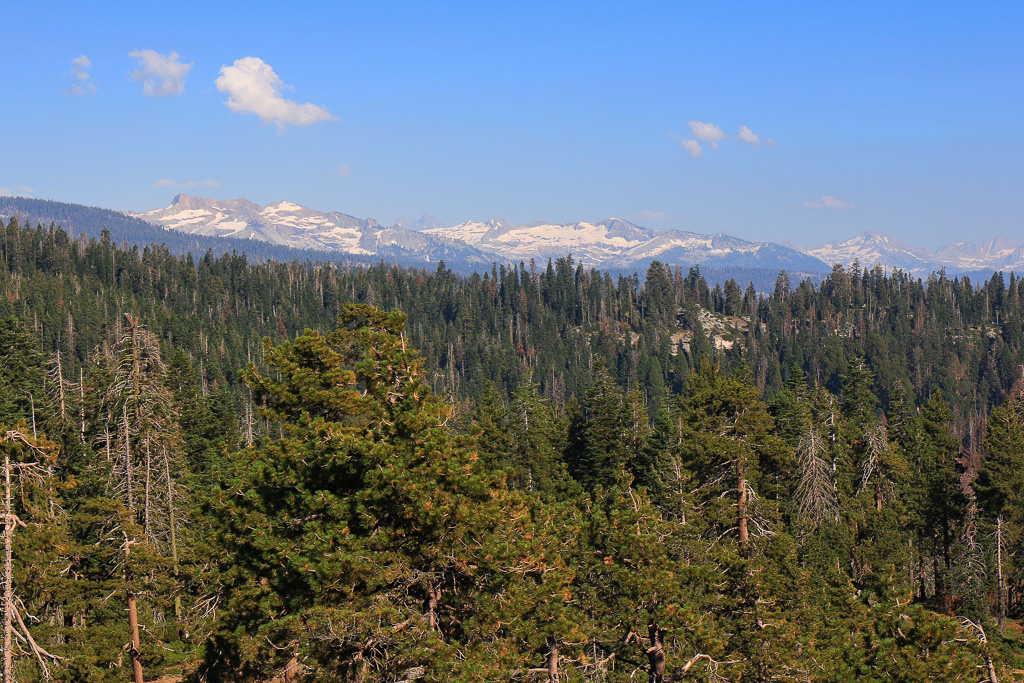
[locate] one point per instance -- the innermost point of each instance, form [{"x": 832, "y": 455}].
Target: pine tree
[
  {"x": 938, "y": 502},
  {"x": 21, "y": 373},
  {"x": 1000, "y": 497},
  {"x": 597, "y": 451},
  {"x": 366, "y": 541},
  {"x": 728, "y": 444},
  {"x": 634, "y": 608}
]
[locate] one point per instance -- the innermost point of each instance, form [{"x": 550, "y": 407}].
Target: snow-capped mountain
[
  {"x": 621, "y": 245},
  {"x": 281, "y": 223},
  {"x": 288, "y": 224},
  {"x": 719, "y": 250},
  {"x": 870, "y": 249},
  {"x": 611, "y": 244},
  {"x": 997, "y": 254},
  {"x": 592, "y": 243}
]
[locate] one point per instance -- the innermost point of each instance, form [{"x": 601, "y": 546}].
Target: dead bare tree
[
  {"x": 975, "y": 631},
  {"x": 816, "y": 497},
  {"x": 61, "y": 393},
  {"x": 1000, "y": 578},
  {"x": 141, "y": 439},
  {"x": 24, "y": 471},
  {"x": 874, "y": 471}
]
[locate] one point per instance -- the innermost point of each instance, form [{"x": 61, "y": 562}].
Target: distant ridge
[
  {"x": 287, "y": 224},
  {"x": 613, "y": 244},
  {"x": 285, "y": 231},
  {"x": 870, "y": 249},
  {"x": 78, "y": 220},
  {"x": 125, "y": 228}
]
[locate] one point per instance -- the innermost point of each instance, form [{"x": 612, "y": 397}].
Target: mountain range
[
  {"x": 874, "y": 248},
  {"x": 612, "y": 244},
  {"x": 284, "y": 230}
]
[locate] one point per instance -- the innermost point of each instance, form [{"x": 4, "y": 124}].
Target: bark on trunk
[
  {"x": 433, "y": 596},
  {"x": 656, "y": 654},
  {"x": 552, "y": 659},
  {"x": 1000, "y": 587},
  {"x": 741, "y": 507},
  {"x": 291, "y": 669},
  {"x": 135, "y": 649},
  {"x": 136, "y": 643},
  {"x": 8, "y": 572}
]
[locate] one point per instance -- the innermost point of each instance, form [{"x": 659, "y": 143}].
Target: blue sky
[{"x": 767, "y": 121}]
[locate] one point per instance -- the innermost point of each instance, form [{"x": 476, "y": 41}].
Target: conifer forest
[{"x": 224, "y": 470}]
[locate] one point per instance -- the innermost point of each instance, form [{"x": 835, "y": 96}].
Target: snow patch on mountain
[
  {"x": 610, "y": 244},
  {"x": 870, "y": 249},
  {"x": 619, "y": 244},
  {"x": 288, "y": 224}
]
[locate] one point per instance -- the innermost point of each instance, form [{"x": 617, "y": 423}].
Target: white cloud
[
  {"x": 712, "y": 134},
  {"x": 254, "y": 88},
  {"x": 160, "y": 74},
  {"x": 167, "y": 182},
  {"x": 707, "y": 132},
  {"x": 81, "y": 63},
  {"x": 693, "y": 147},
  {"x": 827, "y": 202},
  {"x": 749, "y": 136},
  {"x": 19, "y": 191},
  {"x": 342, "y": 171},
  {"x": 79, "y": 71}
]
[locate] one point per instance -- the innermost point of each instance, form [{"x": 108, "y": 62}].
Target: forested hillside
[{"x": 575, "y": 477}]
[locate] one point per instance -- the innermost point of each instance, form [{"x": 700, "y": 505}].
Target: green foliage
[
  {"x": 21, "y": 372},
  {"x": 362, "y": 535},
  {"x": 380, "y": 544}
]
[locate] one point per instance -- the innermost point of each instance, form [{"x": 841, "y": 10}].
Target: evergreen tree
[
  {"x": 382, "y": 548},
  {"x": 729, "y": 445},
  {"x": 938, "y": 502},
  {"x": 21, "y": 373},
  {"x": 1000, "y": 495}
]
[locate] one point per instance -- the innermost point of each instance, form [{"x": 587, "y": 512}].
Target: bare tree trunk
[
  {"x": 129, "y": 579},
  {"x": 992, "y": 677},
  {"x": 291, "y": 669},
  {"x": 741, "y": 508},
  {"x": 1000, "y": 587},
  {"x": 62, "y": 400},
  {"x": 129, "y": 485},
  {"x": 147, "y": 529},
  {"x": 656, "y": 654},
  {"x": 32, "y": 403},
  {"x": 81, "y": 405},
  {"x": 434, "y": 596},
  {"x": 552, "y": 659},
  {"x": 249, "y": 437},
  {"x": 135, "y": 648},
  {"x": 8, "y": 571},
  {"x": 174, "y": 534}
]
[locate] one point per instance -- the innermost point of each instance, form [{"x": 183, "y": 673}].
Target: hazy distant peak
[
  {"x": 424, "y": 222},
  {"x": 871, "y": 249},
  {"x": 613, "y": 243},
  {"x": 184, "y": 201}
]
